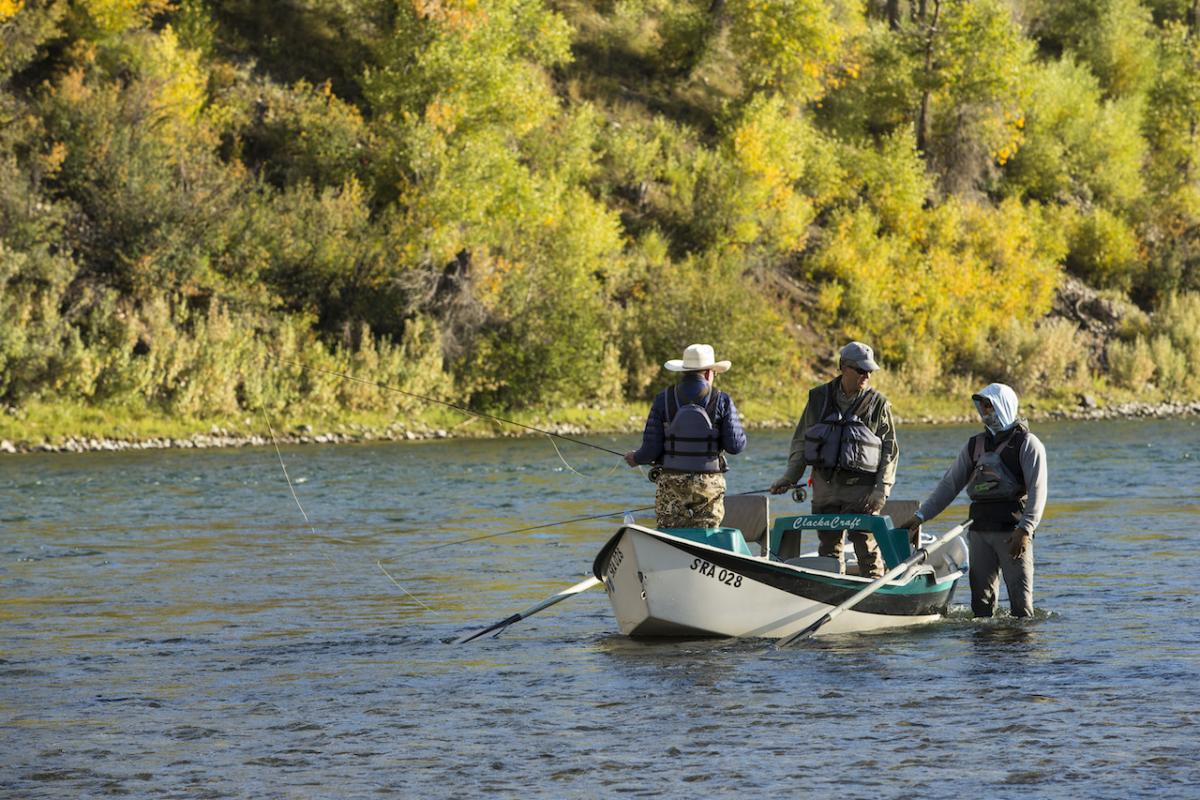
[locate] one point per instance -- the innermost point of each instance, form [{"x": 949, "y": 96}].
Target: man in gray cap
[{"x": 847, "y": 436}]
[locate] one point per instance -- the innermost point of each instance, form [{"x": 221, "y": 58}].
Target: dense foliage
[{"x": 206, "y": 207}]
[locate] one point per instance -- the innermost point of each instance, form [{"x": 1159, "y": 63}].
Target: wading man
[
  {"x": 1004, "y": 472},
  {"x": 689, "y": 426},
  {"x": 847, "y": 436}
]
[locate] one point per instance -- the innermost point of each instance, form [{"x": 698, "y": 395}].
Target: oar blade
[
  {"x": 496, "y": 626},
  {"x": 558, "y": 597},
  {"x": 804, "y": 633}
]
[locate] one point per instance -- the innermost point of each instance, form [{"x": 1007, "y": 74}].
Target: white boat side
[{"x": 661, "y": 585}]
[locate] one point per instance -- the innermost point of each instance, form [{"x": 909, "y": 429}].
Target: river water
[{"x": 172, "y": 627}]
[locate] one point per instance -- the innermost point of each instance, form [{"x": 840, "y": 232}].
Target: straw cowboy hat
[{"x": 697, "y": 358}]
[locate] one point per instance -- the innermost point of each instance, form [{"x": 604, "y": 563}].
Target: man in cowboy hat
[
  {"x": 689, "y": 426},
  {"x": 847, "y": 436}
]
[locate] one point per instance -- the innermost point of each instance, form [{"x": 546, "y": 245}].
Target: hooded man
[
  {"x": 689, "y": 426},
  {"x": 1004, "y": 472},
  {"x": 847, "y": 435}
]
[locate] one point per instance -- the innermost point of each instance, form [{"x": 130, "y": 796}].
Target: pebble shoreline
[{"x": 218, "y": 437}]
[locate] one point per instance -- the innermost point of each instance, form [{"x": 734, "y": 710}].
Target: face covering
[{"x": 1004, "y": 407}]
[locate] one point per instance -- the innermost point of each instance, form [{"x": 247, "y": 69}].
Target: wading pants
[
  {"x": 847, "y": 496},
  {"x": 990, "y": 558}
]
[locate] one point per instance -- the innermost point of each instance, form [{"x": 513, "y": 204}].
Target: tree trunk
[{"x": 923, "y": 111}]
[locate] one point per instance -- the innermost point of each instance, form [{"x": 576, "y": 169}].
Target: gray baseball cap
[{"x": 857, "y": 354}]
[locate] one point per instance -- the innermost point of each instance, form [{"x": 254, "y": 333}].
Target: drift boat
[{"x": 686, "y": 582}]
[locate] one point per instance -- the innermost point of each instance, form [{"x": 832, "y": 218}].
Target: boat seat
[
  {"x": 900, "y": 510},
  {"x": 823, "y": 563},
  {"x": 749, "y": 514}
]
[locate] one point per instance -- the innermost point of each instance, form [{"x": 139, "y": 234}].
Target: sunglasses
[{"x": 862, "y": 372}]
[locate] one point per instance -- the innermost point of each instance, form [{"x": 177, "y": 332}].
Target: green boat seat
[
  {"x": 894, "y": 545},
  {"x": 723, "y": 538}
]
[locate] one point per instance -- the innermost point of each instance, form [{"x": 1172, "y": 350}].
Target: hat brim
[
  {"x": 869, "y": 365},
  {"x": 676, "y": 365}
]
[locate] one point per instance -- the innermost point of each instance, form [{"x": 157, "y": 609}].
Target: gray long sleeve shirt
[{"x": 1033, "y": 464}]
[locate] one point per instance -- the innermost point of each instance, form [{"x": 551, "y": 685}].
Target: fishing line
[
  {"x": 604, "y": 474},
  {"x": 279, "y": 455},
  {"x": 551, "y": 525},
  {"x": 523, "y": 530},
  {"x": 379, "y": 564},
  {"x": 448, "y": 404},
  {"x": 316, "y": 535}
]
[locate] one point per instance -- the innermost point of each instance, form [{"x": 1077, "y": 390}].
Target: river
[{"x": 172, "y": 627}]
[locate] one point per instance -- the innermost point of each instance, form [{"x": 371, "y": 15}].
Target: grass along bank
[{"x": 73, "y": 427}]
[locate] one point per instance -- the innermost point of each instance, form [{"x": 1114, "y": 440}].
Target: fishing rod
[
  {"x": 455, "y": 406},
  {"x": 551, "y": 525}
]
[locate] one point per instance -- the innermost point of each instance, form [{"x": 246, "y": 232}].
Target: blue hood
[{"x": 1003, "y": 399}]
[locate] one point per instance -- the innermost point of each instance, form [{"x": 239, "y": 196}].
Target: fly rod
[{"x": 551, "y": 525}]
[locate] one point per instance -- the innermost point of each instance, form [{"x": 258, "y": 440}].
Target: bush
[
  {"x": 1176, "y": 342},
  {"x": 967, "y": 269},
  {"x": 1170, "y": 365},
  {"x": 1131, "y": 364},
  {"x": 704, "y": 300},
  {"x": 1028, "y": 356},
  {"x": 1104, "y": 251}
]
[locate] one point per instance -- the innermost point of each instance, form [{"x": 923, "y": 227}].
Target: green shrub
[
  {"x": 1176, "y": 342},
  {"x": 1104, "y": 251},
  {"x": 705, "y": 300},
  {"x": 1032, "y": 357},
  {"x": 1170, "y": 366},
  {"x": 1131, "y": 364}
]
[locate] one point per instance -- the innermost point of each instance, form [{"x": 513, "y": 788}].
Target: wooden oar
[
  {"x": 916, "y": 558},
  {"x": 499, "y": 627}
]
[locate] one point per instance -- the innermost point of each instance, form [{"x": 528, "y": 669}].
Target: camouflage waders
[{"x": 690, "y": 499}]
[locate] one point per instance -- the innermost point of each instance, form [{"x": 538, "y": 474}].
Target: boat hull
[{"x": 665, "y": 586}]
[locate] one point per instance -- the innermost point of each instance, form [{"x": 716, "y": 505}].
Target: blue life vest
[
  {"x": 843, "y": 441},
  {"x": 691, "y": 439}
]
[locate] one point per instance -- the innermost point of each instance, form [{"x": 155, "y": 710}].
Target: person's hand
[
  {"x": 629, "y": 458},
  {"x": 875, "y": 501},
  {"x": 1019, "y": 541},
  {"x": 781, "y": 485}
]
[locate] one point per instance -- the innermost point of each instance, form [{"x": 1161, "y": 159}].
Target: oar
[
  {"x": 499, "y": 627},
  {"x": 916, "y": 558}
]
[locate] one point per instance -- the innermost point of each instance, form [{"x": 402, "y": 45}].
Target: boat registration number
[
  {"x": 724, "y": 576},
  {"x": 614, "y": 562}
]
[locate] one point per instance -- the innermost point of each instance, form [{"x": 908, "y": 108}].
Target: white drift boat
[{"x": 710, "y": 582}]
